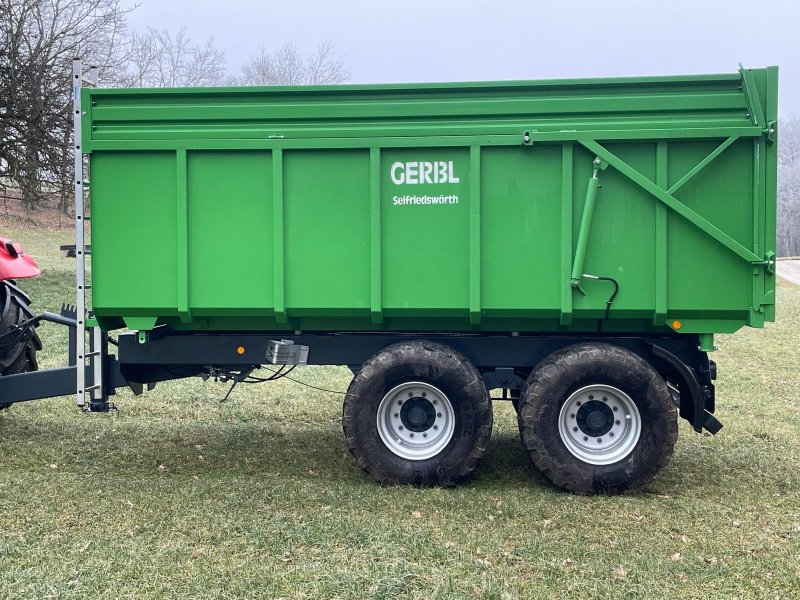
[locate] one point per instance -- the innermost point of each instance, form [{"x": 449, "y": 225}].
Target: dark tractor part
[
  {"x": 418, "y": 413},
  {"x": 597, "y": 419},
  {"x": 18, "y": 346}
]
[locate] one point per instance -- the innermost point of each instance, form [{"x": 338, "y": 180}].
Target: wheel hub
[
  {"x": 595, "y": 418},
  {"x": 415, "y": 420},
  {"x": 417, "y": 414},
  {"x": 599, "y": 424}
]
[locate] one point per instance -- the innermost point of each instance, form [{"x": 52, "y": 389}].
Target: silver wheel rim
[
  {"x": 599, "y": 424},
  {"x": 416, "y": 420}
]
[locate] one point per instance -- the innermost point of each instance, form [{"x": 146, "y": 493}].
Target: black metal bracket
[
  {"x": 505, "y": 378},
  {"x": 701, "y": 396}
]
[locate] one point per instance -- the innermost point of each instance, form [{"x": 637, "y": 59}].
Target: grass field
[{"x": 179, "y": 496}]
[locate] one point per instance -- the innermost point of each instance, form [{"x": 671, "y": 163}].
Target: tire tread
[
  {"x": 21, "y": 358},
  {"x": 556, "y": 365},
  {"x": 435, "y": 354}
]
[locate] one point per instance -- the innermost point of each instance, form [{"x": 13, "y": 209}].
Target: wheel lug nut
[
  {"x": 590, "y": 398},
  {"x": 605, "y": 399},
  {"x": 412, "y": 435},
  {"x": 617, "y": 421},
  {"x": 574, "y": 429},
  {"x": 599, "y": 440},
  {"x": 436, "y": 427},
  {"x": 424, "y": 394},
  {"x": 424, "y": 435},
  {"x": 579, "y": 402},
  {"x": 586, "y": 438},
  {"x": 572, "y": 415},
  {"x": 436, "y": 402},
  {"x": 615, "y": 409},
  {"x": 438, "y": 414},
  {"x": 400, "y": 403},
  {"x": 401, "y": 427},
  {"x": 396, "y": 415},
  {"x": 410, "y": 394},
  {"x": 611, "y": 433}
]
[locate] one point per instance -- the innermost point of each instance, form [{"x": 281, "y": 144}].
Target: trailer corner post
[{"x": 706, "y": 342}]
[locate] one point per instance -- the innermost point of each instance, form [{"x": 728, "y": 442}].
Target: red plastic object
[{"x": 14, "y": 263}]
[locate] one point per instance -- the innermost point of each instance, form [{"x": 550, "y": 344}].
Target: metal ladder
[{"x": 97, "y": 346}]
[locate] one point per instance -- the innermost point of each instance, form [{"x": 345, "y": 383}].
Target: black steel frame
[{"x": 505, "y": 360}]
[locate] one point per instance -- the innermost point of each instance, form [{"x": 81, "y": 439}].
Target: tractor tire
[
  {"x": 417, "y": 413},
  {"x": 16, "y": 355},
  {"x": 597, "y": 419}
]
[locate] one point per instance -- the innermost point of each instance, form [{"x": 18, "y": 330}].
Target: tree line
[
  {"x": 39, "y": 39},
  {"x": 789, "y": 186}
]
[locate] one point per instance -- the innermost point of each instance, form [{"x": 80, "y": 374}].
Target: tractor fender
[{"x": 14, "y": 263}]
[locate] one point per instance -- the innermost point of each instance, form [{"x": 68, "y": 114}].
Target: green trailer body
[
  {"x": 573, "y": 245},
  {"x": 437, "y": 207}
]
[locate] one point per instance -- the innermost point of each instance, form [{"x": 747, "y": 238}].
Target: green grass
[{"x": 179, "y": 496}]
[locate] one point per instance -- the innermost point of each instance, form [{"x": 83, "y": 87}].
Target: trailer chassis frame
[{"x": 504, "y": 360}]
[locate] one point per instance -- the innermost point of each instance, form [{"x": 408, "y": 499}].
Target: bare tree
[
  {"x": 789, "y": 187},
  {"x": 286, "y": 66},
  {"x": 159, "y": 59},
  {"x": 38, "y": 39}
]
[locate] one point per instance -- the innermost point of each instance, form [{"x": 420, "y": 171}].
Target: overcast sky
[{"x": 413, "y": 40}]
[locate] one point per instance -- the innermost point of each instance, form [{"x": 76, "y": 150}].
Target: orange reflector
[
  {"x": 240, "y": 350},
  {"x": 676, "y": 324}
]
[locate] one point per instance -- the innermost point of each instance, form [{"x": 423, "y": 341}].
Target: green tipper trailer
[{"x": 575, "y": 243}]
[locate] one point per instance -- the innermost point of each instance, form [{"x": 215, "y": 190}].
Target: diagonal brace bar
[
  {"x": 662, "y": 195},
  {"x": 751, "y": 95},
  {"x": 702, "y": 164}
]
